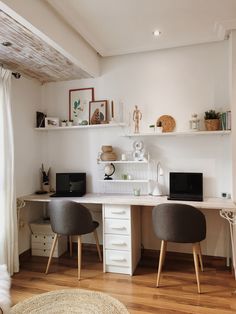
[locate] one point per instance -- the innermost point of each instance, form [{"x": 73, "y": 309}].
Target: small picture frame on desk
[
  {"x": 51, "y": 122},
  {"x": 98, "y": 112}
]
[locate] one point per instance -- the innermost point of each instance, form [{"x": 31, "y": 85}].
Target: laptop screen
[
  {"x": 186, "y": 186},
  {"x": 71, "y": 183}
]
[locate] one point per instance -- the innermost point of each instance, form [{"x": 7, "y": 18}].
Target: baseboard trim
[
  {"x": 209, "y": 261},
  {"x": 150, "y": 257}
]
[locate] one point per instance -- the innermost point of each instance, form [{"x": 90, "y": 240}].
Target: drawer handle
[
  {"x": 118, "y": 243},
  {"x": 118, "y": 212},
  {"x": 118, "y": 228},
  {"x": 118, "y": 259}
]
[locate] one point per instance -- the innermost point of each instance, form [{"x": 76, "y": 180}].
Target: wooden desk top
[{"x": 143, "y": 200}]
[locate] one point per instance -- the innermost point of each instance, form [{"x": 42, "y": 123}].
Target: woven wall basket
[{"x": 212, "y": 124}]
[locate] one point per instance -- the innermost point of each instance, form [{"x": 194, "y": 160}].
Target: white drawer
[
  {"x": 42, "y": 238},
  {"x": 117, "y": 226},
  {"x": 42, "y": 245},
  {"x": 117, "y": 242},
  {"x": 44, "y": 252},
  {"x": 117, "y": 211},
  {"x": 118, "y": 258}
]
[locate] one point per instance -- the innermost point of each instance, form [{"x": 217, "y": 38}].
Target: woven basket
[{"x": 212, "y": 124}]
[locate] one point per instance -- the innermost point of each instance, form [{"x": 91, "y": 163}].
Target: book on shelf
[{"x": 225, "y": 120}]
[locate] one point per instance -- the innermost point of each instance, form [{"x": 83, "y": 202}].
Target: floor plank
[{"x": 177, "y": 293}]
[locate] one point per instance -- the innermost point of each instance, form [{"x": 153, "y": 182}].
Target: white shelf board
[
  {"x": 76, "y": 127},
  {"x": 184, "y": 133},
  {"x": 124, "y": 181},
  {"x": 145, "y": 161}
]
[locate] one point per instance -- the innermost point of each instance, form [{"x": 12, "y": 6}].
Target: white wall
[
  {"x": 26, "y": 100},
  {"x": 178, "y": 82}
]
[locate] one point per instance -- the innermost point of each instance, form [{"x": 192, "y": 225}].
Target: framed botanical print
[
  {"x": 79, "y": 103},
  {"x": 98, "y": 112}
]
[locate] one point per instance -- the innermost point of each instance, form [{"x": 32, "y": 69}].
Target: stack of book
[{"x": 225, "y": 119}]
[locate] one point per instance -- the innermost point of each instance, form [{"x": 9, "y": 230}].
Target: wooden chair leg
[
  {"x": 196, "y": 264},
  {"x": 97, "y": 244},
  {"x": 79, "y": 256},
  {"x": 51, "y": 252},
  {"x": 200, "y": 256},
  {"x": 161, "y": 260},
  {"x": 70, "y": 240}
]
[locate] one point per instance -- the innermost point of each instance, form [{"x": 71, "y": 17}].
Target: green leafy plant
[
  {"x": 211, "y": 115},
  {"x": 151, "y": 126},
  {"x": 77, "y": 108},
  {"x": 64, "y": 121}
]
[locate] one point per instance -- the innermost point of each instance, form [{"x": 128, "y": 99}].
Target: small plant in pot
[
  {"x": 70, "y": 123},
  {"x": 212, "y": 120},
  {"x": 63, "y": 122}
]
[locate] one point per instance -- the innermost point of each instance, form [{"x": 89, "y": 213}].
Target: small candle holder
[{"x": 194, "y": 123}]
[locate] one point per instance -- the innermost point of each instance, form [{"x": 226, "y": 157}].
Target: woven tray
[{"x": 167, "y": 123}]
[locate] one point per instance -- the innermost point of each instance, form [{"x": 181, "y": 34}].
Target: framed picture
[
  {"x": 51, "y": 122},
  {"x": 79, "y": 103},
  {"x": 97, "y": 111}
]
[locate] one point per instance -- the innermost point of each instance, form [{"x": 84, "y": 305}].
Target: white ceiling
[{"x": 114, "y": 27}]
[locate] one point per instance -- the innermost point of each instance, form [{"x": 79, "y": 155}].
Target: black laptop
[
  {"x": 70, "y": 184},
  {"x": 186, "y": 186}
]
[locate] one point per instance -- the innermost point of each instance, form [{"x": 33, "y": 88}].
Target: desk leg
[{"x": 231, "y": 218}]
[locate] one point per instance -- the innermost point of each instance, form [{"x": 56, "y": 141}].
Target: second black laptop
[{"x": 70, "y": 184}]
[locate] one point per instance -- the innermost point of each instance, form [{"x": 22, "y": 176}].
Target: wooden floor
[{"x": 177, "y": 294}]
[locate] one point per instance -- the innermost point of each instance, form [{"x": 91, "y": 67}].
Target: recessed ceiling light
[
  {"x": 6, "y": 44},
  {"x": 157, "y": 33}
]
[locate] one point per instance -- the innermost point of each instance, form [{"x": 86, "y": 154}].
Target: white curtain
[{"x": 8, "y": 215}]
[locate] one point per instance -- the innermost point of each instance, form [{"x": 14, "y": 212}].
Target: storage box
[{"x": 42, "y": 238}]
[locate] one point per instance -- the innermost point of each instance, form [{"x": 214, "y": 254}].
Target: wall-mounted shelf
[
  {"x": 124, "y": 181},
  {"x": 185, "y": 133},
  {"x": 93, "y": 126},
  {"x": 145, "y": 161}
]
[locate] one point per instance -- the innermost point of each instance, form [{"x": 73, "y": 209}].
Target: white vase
[
  {"x": 159, "y": 129},
  {"x": 63, "y": 124}
]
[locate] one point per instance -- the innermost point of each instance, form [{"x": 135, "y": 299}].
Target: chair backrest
[
  {"x": 70, "y": 218},
  {"x": 179, "y": 223}
]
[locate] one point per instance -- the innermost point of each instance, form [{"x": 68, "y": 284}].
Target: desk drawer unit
[{"x": 121, "y": 225}]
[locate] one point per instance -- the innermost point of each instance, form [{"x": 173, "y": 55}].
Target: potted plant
[
  {"x": 159, "y": 127},
  {"x": 152, "y": 127},
  {"x": 212, "y": 120},
  {"x": 63, "y": 122},
  {"x": 69, "y": 123}
]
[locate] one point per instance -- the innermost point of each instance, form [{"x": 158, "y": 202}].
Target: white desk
[{"x": 121, "y": 223}]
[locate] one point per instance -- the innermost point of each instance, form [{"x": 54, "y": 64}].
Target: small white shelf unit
[
  {"x": 138, "y": 170},
  {"x": 81, "y": 127},
  {"x": 184, "y": 133}
]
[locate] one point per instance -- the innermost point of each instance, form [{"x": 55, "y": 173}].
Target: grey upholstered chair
[
  {"x": 182, "y": 224},
  {"x": 69, "y": 218}
]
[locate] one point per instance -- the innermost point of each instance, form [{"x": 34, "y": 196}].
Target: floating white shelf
[
  {"x": 145, "y": 161},
  {"x": 123, "y": 181},
  {"x": 184, "y": 133},
  {"x": 93, "y": 126}
]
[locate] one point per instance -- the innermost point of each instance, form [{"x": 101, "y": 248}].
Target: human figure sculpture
[{"x": 137, "y": 116}]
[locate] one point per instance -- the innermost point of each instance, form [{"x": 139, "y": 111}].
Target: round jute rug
[{"x": 70, "y": 301}]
